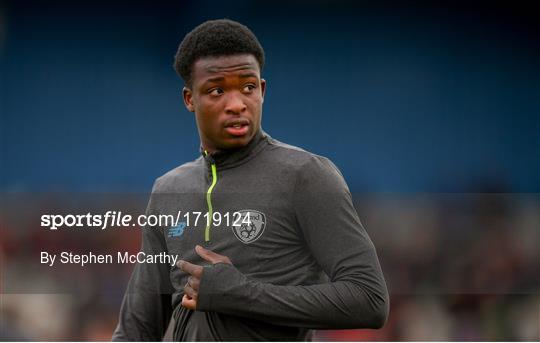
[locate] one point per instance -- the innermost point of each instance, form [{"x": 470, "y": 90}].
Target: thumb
[{"x": 210, "y": 256}]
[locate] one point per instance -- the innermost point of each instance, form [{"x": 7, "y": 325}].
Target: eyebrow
[
  {"x": 243, "y": 76},
  {"x": 221, "y": 78},
  {"x": 215, "y": 79}
]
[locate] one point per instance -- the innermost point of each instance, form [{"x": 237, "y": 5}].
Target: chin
[{"x": 236, "y": 142}]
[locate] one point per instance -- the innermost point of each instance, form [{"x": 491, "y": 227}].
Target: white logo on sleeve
[{"x": 251, "y": 226}]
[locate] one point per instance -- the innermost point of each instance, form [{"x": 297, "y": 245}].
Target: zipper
[{"x": 209, "y": 221}]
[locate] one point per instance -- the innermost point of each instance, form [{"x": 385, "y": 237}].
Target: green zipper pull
[{"x": 209, "y": 221}]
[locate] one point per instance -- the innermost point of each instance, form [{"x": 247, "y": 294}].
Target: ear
[
  {"x": 188, "y": 99},
  {"x": 263, "y": 88}
]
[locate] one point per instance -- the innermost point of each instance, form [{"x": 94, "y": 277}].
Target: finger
[
  {"x": 190, "y": 292},
  {"x": 194, "y": 282},
  {"x": 189, "y": 303},
  {"x": 211, "y": 256},
  {"x": 190, "y": 268}
]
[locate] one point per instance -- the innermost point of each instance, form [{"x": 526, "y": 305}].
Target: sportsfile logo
[{"x": 119, "y": 219}]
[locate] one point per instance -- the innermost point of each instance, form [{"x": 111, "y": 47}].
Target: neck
[
  {"x": 231, "y": 157},
  {"x": 212, "y": 149}
]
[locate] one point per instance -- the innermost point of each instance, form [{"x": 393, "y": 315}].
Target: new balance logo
[{"x": 177, "y": 230}]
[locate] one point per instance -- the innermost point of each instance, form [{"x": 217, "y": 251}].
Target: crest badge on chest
[{"x": 250, "y": 227}]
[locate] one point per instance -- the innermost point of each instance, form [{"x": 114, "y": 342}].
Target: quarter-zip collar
[{"x": 225, "y": 159}]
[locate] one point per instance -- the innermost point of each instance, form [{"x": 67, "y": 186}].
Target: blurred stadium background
[{"x": 430, "y": 110}]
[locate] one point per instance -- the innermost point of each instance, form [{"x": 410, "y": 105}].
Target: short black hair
[{"x": 222, "y": 37}]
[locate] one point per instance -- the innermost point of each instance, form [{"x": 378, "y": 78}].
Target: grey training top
[{"x": 301, "y": 258}]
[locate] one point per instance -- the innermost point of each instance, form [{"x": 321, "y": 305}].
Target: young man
[{"x": 280, "y": 249}]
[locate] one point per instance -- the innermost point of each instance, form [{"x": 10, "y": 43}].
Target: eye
[
  {"x": 249, "y": 88},
  {"x": 215, "y": 91}
]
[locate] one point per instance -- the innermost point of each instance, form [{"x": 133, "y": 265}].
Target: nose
[{"x": 235, "y": 104}]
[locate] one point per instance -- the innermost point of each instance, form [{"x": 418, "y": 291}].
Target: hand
[{"x": 191, "y": 289}]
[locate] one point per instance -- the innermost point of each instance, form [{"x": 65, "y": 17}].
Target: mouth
[{"x": 237, "y": 127}]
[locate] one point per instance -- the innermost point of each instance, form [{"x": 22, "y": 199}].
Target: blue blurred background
[{"x": 402, "y": 97}]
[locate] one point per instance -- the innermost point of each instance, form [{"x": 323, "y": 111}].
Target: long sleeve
[
  {"x": 146, "y": 308},
  {"x": 356, "y": 295}
]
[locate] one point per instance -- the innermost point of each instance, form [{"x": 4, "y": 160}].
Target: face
[{"x": 226, "y": 95}]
